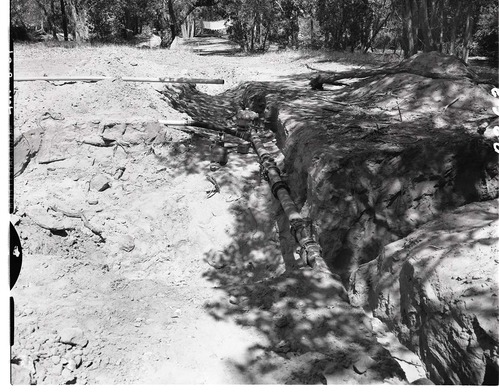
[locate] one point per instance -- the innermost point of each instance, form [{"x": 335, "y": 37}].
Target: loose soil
[{"x": 154, "y": 298}]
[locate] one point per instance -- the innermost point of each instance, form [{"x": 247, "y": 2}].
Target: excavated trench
[
  {"x": 180, "y": 226},
  {"x": 372, "y": 181},
  {"x": 384, "y": 196}
]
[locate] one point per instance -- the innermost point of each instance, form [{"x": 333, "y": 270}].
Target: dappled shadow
[
  {"x": 433, "y": 283},
  {"x": 350, "y": 58},
  {"x": 486, "y": 70},
  {"x": 370, "y": 167},
  {"x": 208, "y": 46}
]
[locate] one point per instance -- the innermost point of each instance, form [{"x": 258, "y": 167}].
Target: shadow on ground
[{"x": 361, "y": 145}]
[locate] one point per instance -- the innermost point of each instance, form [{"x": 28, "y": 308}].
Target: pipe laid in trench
[
  {"x": 301, "y": 228},
  {"x": 202, "y": 124}
]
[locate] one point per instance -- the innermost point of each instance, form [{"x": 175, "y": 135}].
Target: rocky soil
[
  {"x": 371, "y": 162},
  {"x": 143, "y": 266}
]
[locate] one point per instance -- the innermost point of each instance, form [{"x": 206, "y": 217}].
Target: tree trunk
[
  {"x": 49, "y": 17},
  {"x": 52, "y": 17},
  {"x": 467, "y": 35},
  {"x": 173, "y": 20},
  {"x": 414, "y": 25},
  {"x": 267, "y": 32},
  {"x": 252, "y": 41},
  {"x": 257, "y": 33},
  {"x": 441, "y": 30},
  {"x": 64, "y": 20},
  {"x": 452, "y": 47},
  {"x": 425, "y": 26},
  {"x": 78, "y": 20},
  {"x": 311, "y": 30},
  {"x": 407, "y": 33}
]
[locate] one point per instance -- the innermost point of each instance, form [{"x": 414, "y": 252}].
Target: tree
[
  {"x": 79, "y": 19},
  {"x": 64, "y": 20},
  {"x": 486, "y": 34}
]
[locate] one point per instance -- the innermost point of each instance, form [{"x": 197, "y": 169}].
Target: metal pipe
[
  {"x": 202, "y": 124},
  {"x": 175, "y": 80},
  {"x": 124, "y": 79},
  {"x": 62, "y": 78},
  {"x": 301, "y": 228}
]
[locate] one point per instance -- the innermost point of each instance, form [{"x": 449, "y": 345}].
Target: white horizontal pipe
[
  {"x": 174, "y": 80},
  {"x": 175, "y": 122},
  {"x": 61, "y": 78},
  {"x": 125, "y": 79}
]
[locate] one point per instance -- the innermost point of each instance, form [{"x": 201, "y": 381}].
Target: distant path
[{"x": 207, "y": 45}]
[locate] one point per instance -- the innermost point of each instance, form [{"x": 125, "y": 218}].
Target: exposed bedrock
[{"x": 437, "y": 290}]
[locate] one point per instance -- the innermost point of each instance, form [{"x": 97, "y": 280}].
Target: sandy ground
[
  {"x": 139, "y": 299},
  {"x": 141, "y": 303}
]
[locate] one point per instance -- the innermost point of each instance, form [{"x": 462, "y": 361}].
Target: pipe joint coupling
[
  {"x": 301, "y": 229},
  {"x": 276, "y": 186},
  {"x": 267, "y": 165}
]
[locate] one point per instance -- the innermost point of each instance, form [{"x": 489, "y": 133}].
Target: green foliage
[
  {"x": 486, "y": 35},
  {"x": 255, "y": 24}
]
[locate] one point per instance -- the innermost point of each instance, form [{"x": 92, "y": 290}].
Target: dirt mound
[
  {"x": 441, "y": 305},
  {"x": 371, "y": 162},
  {"x": 438, "y": 65},
  {"x": 140, "y": 261}
]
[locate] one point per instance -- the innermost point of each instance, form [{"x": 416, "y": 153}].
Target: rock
[
  {"x": 74, "y": 337},
  {"x": 56, "y": 359},
  {"x": 119, "y": 173},
  {"x": 43, "y": 219},
  {"x": 20, "y": 375},
  {"x": 152, "y": 130},
  {"x": 15, "y": 219},
  {"x": 56, "y": 144},
  {"x": 153, "y": 42},
  {"x": 422, "y": 381},
  {"x": 233, "y": 300},
  {"x": 450, "y": 323},
  {"x": 281, "y": 320},
  {"x": 78, "y": 361},
  {"x": 57, "y": 369},
  {"x": 99, "y": 183},
  {"x": 182, "y": 148},
  {"x": 217, "y": 259},
  {"x": 112, "y": 131},
  {"x": 26, "y": 147},
  {"x": 71, "y": 365},
  {"x": 41, "y": 372},
  {"x": 68, "y": 377},
  {"x": 127, "y": 244},
  {"x": 282, "y": 347},
  {"x": 94, "y": 140},
  {"x": 92, "y": 200},
  {"x": 363, "y": 364}
]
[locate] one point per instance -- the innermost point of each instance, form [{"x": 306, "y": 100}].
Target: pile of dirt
[
  {"x": 437, "y": 289},
  {"x": 371, "y": 162},
  {"x": 134, "y": 245},
  {"x": 438, "y": 65}
]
